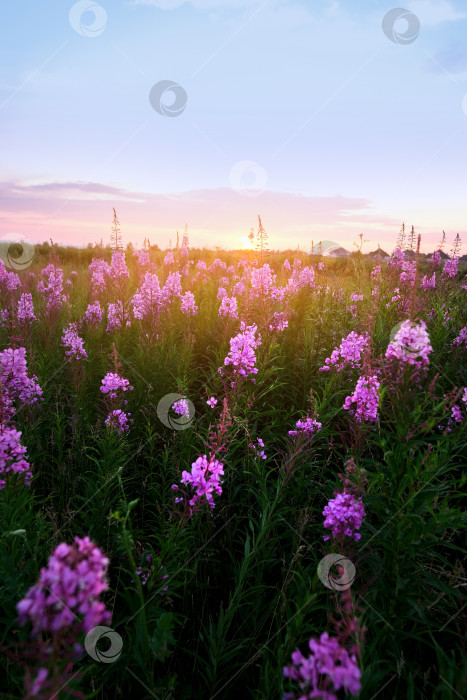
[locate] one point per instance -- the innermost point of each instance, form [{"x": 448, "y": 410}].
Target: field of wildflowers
[{"x": 233, "y": 474}]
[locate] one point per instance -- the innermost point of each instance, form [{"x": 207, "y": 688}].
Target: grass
[{"x": 242, "y": 589}]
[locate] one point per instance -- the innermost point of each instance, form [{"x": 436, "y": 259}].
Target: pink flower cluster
[
  {"x": 9, "y": 281},
  {"x": 450, "y": 268},
  {"x": 457, "y": 413},
  {"x": 118, "y": 268},
  {"x": 25, "y": 312},
  {"x": 396, "y": 296},
  {"x": 17, "y": 386},
  {"x": 348, "y": 353},
  {"x": 307, "y": 427},
  {"x": 262, "y": 280},
  {"x": 5, "y": 317},
  {"x": 366, "y": 398},
  {"x": 407, "y": 276},
  {"x": 300, "y": 279},
  {"x": 93, "y": 315},
  {"x": 52, "y": 289},
  {"x": 344, "y": 515},
  {"x": 257, "y": 449},
  {"x": 242, "y": 351},
  {"x": 181, "y": 408},
  {"x": 113, "y": 385},
  {"x": 239, "y": 288},
  {"x": 326, "y": 671},
  {"x": 66, "y": 595},
  {"x": 143, "y": 258},
  {"x": 188, "y": 305},
  {"x": 117, "y": 316},
  {"x": 228, "y": 307},
  {"x": 204, "y": 479},
  {"x": 461, "y": 338},
  {"x": 12, "y": 456},
  {"x": 16, "y": 389},
  {"x": 99, "y": 269},
  {"x": 148, "y": 299},
  {"x": 411, "y": 344},
  {"x": 74, "y": 343},
  {"x": 397, "y": 258},
  {"x": 118, "y": 420},
  {"x": 173, "y": 285},
  {"x": 217, "y": 263},
  {"x": 428, "y": 282},
  {"x": 280, "y": 323}
]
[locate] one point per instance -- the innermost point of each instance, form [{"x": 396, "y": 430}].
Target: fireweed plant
[
  {"x": 61, "y": 608},
  {"x": 200, "y": 544},
  {"x": 332, "y": 665}
]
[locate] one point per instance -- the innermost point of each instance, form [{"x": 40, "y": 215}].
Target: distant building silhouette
[
  {"x": 338, "y": 253},
  {"x": 379, "y": 254}
]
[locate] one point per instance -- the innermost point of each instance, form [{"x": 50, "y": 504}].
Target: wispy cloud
[
  {"x": 213, "y": 215},
  {"x": 56, "y": 191}
]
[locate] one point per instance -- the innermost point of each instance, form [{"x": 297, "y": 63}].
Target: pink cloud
[{"x": 81, "y": 212}]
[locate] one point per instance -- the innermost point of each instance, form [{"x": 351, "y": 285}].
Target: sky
[{"x": 328, "y": 119}]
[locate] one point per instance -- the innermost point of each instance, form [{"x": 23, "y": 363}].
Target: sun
[{"x": 244, "y": 242}]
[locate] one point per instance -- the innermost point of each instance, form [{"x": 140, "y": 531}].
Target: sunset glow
[{"x": 208, "y": 113}]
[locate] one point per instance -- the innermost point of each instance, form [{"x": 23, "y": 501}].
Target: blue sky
[{"x": 303, "y": 112}]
